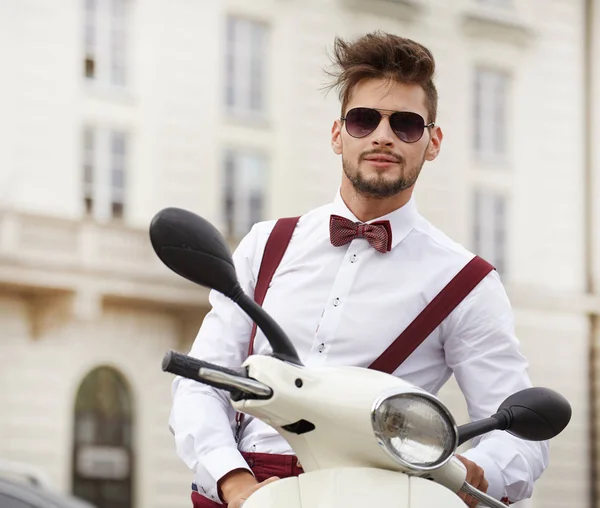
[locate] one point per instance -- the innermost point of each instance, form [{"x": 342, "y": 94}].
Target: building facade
[{"x": 114, "y": 109}]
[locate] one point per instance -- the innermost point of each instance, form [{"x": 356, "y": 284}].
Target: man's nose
[{"x": 384, "y": 135}]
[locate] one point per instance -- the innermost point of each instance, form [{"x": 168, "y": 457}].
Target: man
[{"x": 344, "y": 302}]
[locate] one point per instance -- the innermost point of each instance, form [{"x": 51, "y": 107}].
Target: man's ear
[
  {"x": 336, "y": 137},
  {"x": 435, "y": 143}
]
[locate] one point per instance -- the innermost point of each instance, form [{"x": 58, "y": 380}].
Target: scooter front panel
[{"x": 353, "y": 488}]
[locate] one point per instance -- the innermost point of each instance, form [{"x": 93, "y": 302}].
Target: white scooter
[{"x": 363, "y": 437}]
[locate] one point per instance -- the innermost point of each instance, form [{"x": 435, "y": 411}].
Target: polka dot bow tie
[{"x": 343, "y": 231}]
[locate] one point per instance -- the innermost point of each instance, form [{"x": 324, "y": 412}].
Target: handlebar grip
[{"x": 188, "y": 366}]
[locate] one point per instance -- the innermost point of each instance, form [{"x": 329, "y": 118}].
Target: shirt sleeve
[
  {"x": 202, "y": 419},
  {"x": 482, "y": 350}
]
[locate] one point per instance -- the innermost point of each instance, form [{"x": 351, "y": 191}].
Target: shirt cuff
[
  {"x": 491, "y": 471},
  {"x": 223, "y": 460}
]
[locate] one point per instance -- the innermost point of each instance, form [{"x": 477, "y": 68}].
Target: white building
[{"x": 114, "y": 109}]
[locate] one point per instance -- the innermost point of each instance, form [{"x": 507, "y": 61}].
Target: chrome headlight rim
[{"x": 436, "y": 402}]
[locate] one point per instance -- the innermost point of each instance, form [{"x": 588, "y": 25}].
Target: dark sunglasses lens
[
  {"x": 407, "y": 126},
  {"x": 360, "y": 122}
]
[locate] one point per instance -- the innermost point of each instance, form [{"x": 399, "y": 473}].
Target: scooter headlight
[{"x": 416, "y": 429}]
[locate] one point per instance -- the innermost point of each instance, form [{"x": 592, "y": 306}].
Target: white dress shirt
[{"x": 345, "y": 306}]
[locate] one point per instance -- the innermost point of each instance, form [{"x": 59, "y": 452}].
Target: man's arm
[
  {"x": 482, "y": 350},
  {"x": 202, "y": 419}
]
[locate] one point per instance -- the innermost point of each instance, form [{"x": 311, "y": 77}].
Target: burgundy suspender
[
  {"x": 432, "y": 316},
  {"x": 275, "y": 248}
]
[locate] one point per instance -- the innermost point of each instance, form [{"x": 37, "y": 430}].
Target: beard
[{"x": 379, "y": 186}]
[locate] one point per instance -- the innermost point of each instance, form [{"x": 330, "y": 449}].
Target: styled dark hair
[{"x": 382, "y": 55}]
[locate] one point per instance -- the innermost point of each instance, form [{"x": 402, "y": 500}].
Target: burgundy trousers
[{"x": 263, "y": 465}]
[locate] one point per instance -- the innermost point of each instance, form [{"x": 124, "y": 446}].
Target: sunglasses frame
[{"x": 389, "y": 114}]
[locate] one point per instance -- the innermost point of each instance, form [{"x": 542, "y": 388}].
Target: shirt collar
[{"x": 402, "y": 220}]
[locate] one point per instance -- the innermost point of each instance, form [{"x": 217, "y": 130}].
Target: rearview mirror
[
  {"x": 536, "y": 414},
  {"x": 193, "y": 248}
]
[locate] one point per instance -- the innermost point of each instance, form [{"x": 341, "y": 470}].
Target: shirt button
[
  {"x": 336, "y": 302},
  {"x": 321, "y": 347},
  {"x": 353, "y": 258}
]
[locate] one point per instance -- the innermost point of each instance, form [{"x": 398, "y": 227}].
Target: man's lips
[{"x": 382, "y": 159}]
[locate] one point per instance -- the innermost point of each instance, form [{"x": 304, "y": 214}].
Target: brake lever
[
  {"x": 481, "y": 496},
  {"x": 238, "y": 386}
]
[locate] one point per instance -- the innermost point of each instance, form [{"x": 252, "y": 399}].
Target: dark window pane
[
  {"x": 257, "y": 64},
  {"x": 104, "y": 392},
  {"x": 477, "y": 112},
  {"x": 477, "y": 222},
  {"x": 230, "y": 62},
  {"x": 256, "y": 209},
  {"x": 118, "y": 179},
  {"x": 118, "y": 42},
  {"x": 89, "y": 64},
  {"x": 102, "y": 449},
  {"x": 490, "y": 112},
  {"x": 228, "y": 201},
  {"x": 118, "y": 143},
  {"x": 245, "y": 65},
  {"x": 500, "y": 234},
  {"x": 118, "y": 161},
  {"x": 88, "y": 174},
  {"x": 88, "y": 168},
  {"x": 90, "y": 68},
  {"x": 89, "y": 206},
  {"x": 500, "y": 114},
  {"x": 244, "y": 191}
]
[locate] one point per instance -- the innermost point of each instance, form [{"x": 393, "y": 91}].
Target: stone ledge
[
  {"x": 537, "y": 298},
  {"x": 496, "y": 23},
  {"x": 56, "y": 297},
  {"x": 406, "y": 10}
]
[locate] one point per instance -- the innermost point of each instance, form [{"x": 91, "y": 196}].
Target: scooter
[{"x": 363, "y": 437}]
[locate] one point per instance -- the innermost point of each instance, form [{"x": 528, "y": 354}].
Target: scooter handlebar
[
  {"x": 238, "y": 384},
  {"x": 189, "y": 367},
  {"x": 453, "y": 476}
]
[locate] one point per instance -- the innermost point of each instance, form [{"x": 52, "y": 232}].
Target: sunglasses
[{"x": 408, "y": 126}]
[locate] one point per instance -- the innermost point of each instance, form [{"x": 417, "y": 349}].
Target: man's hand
[
  {"x": 238, "y": 485},
  {"x": 476, "y": 478}
]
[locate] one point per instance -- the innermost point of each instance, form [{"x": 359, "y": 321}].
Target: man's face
[{"x": 372, "y": 176}]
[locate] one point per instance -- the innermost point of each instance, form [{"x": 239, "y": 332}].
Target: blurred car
[
  {"x": 22, "y": 486},
  {"x": 20, "y": 495}
]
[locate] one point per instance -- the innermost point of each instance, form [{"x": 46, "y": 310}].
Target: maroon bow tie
[{"x": 343, "y": 231}]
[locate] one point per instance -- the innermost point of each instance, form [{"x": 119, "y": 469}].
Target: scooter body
[{"x": 345, "y": 463}]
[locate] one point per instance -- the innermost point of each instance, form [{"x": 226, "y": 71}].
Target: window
[
  {"x": 117, "y": 167},
  {"x": 490, "y": 113},
  {"x": 105, "y": 41},
  {"x": 489, "y": 231},
  {"x": 90, "y": 39},
  {"x": 88, "y": 170},
  {"x": 104, "y": 172},
  {"x": 102, "y": 441},
  {"x": 246, "y": 62},
  {"x": 245, "y": 175}
]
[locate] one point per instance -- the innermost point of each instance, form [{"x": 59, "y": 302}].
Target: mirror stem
[
  {"x": 280, "y": 342},
  {"x": 499, "y": 421}
]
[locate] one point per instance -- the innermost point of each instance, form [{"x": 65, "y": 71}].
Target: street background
[{"x": 111, "y": 110}]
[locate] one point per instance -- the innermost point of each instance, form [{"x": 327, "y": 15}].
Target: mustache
[{"x": 397, "y": 157}]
